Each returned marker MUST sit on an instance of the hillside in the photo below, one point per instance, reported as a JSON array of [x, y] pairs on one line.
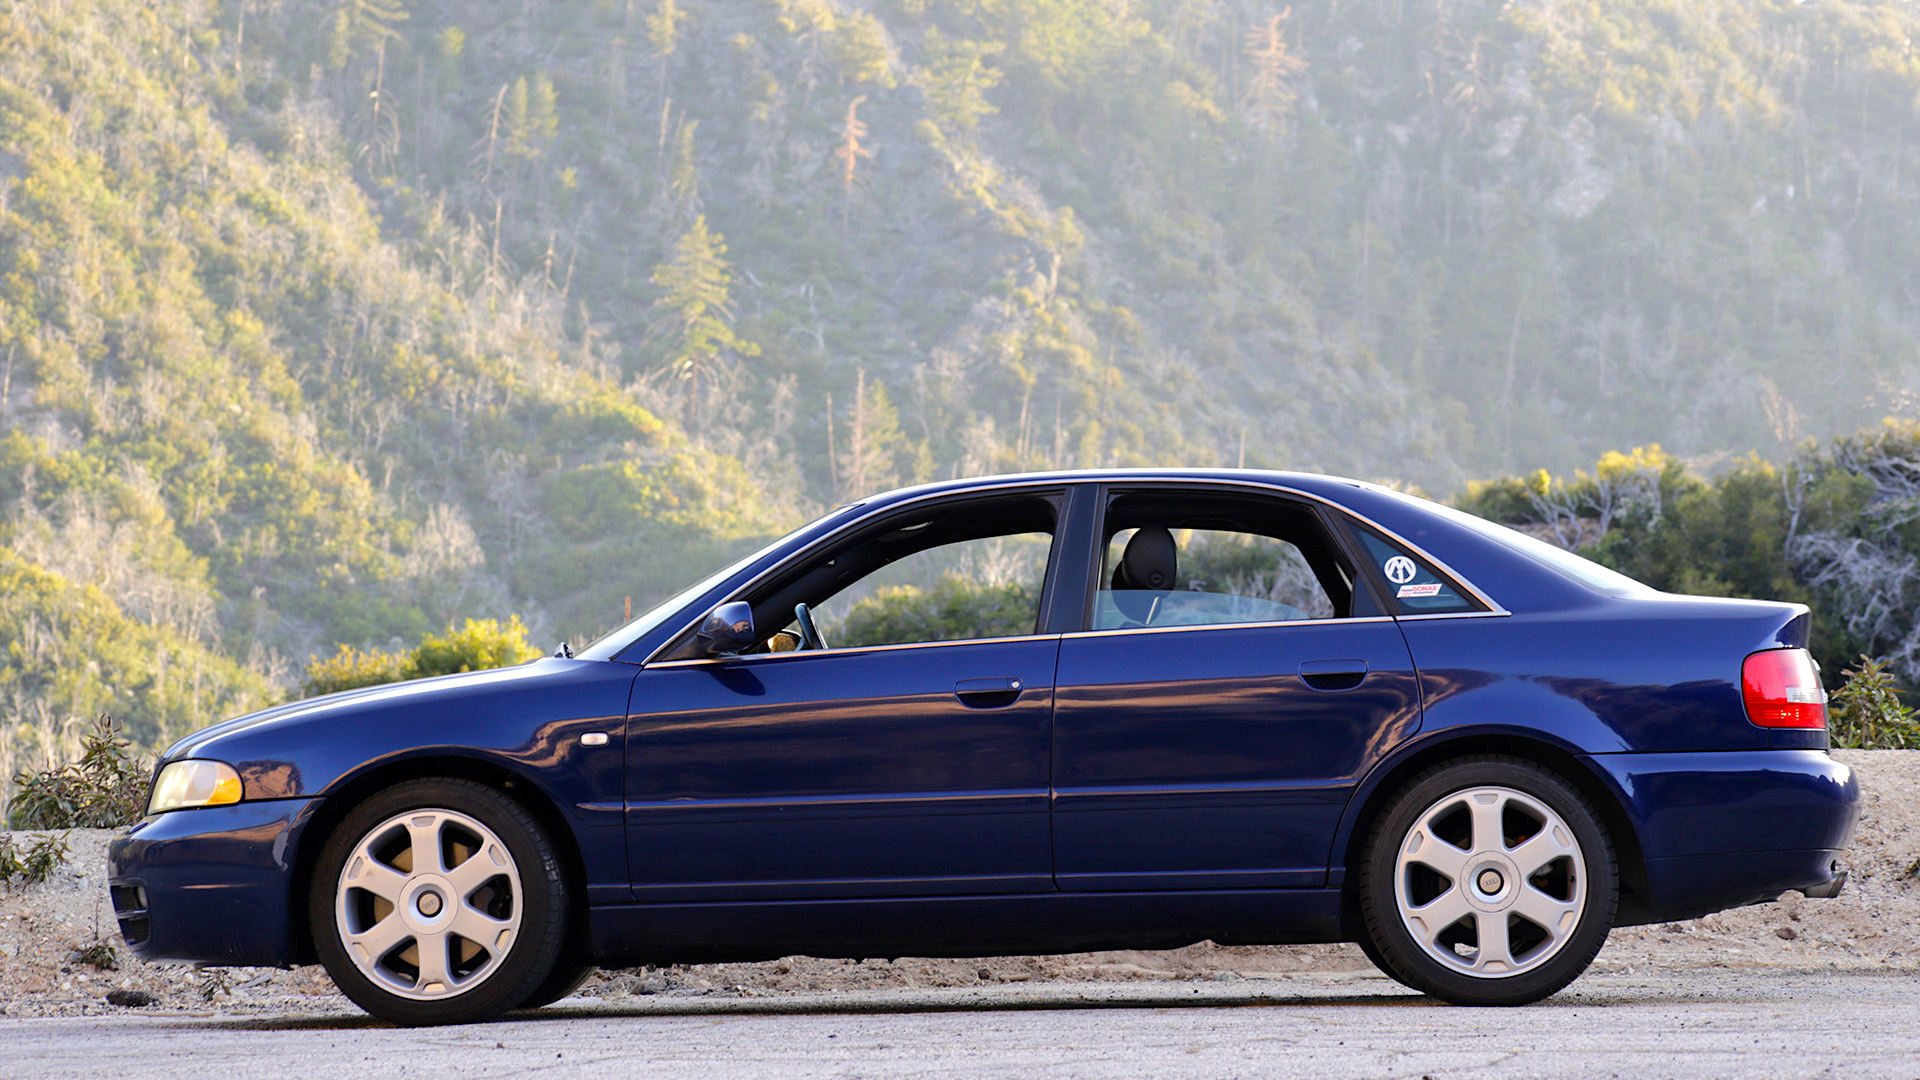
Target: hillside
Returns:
[[338, 320]]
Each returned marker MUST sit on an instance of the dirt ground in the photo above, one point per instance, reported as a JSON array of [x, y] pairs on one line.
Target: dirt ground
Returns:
[[1875, 925]]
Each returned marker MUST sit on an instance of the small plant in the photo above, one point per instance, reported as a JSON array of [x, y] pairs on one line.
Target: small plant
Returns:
[[1867, 713], [105, 789], [215, 982], [34, 864], [100, 954]]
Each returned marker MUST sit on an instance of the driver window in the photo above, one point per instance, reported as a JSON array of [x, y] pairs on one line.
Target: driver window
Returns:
[[1192, 560], [985, 588], [953, 571]]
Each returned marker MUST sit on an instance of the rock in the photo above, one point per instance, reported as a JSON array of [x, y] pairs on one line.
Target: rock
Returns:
[[985, 974], [1786, 933], [131, 999]]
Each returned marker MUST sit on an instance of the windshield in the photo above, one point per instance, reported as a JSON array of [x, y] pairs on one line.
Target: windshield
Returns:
[[1585, 571], [611, 645]]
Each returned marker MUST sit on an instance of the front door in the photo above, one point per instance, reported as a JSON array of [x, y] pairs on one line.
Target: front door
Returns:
[[858, 772], [896, 742]]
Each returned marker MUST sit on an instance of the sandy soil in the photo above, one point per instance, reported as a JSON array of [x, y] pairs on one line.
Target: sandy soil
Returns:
[[1875, 925]]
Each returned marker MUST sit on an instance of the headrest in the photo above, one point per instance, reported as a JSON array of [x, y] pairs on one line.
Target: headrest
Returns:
[[1149, 562]]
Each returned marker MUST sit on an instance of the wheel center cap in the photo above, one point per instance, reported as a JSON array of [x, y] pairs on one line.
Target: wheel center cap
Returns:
[[1489, 884], [427, 905]]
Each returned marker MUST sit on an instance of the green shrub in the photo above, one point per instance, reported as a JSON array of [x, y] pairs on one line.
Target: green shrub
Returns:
[[351, 668], [478, 645], [37, 863], [105, 789], [1867, 712], [953, 610]]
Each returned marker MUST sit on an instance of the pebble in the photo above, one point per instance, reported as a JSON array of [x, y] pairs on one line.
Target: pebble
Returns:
[[131, 999]]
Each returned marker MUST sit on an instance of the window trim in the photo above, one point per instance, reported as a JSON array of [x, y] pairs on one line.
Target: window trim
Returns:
[[1088, 492]]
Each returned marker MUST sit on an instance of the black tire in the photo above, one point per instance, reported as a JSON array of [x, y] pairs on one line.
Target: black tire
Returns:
[[567, 976], [1500, 950], [528, 885], [1379, 960]]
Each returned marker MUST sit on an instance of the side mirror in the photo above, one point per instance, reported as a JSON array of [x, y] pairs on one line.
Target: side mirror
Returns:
[[727, 629]]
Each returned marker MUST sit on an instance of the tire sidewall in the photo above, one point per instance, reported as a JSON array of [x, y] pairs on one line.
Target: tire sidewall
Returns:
[[542, 899], [1408, 962]]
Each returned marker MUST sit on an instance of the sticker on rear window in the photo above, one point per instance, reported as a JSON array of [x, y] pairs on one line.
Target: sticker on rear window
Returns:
[[1400, 570], [1429, 589]]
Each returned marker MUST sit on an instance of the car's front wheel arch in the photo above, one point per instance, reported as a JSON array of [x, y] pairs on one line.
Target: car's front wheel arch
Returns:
[[340, 800], [1391, 776]]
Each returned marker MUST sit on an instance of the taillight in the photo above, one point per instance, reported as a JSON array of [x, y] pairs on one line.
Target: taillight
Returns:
[[1782, 690]]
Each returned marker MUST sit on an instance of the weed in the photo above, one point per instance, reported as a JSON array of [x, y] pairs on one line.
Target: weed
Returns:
[[100, 954], [1867, 712], [36, 862], [105, 789], [215, 982]]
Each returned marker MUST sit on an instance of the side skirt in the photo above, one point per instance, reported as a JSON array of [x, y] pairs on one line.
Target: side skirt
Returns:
[[961, 925]]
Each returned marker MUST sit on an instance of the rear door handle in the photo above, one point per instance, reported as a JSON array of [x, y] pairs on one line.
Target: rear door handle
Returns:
[[1333, 674], [987, 693]]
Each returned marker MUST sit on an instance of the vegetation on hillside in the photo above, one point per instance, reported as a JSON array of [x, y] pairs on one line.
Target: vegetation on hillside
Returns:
[[334, 322]]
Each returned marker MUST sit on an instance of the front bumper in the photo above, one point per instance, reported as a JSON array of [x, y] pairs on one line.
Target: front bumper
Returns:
[[211, 885], [1719, 830]]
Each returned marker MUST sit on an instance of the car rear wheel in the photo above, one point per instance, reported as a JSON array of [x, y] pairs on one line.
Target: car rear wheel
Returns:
[[1488, 881], [438, 902]]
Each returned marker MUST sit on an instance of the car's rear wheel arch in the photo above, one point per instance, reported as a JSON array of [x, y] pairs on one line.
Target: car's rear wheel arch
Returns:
[[340, 801], [1395, 775]]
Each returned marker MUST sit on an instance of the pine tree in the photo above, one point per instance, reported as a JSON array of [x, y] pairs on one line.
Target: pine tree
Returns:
[[956, 78], [870, 460], [695, 309], [1270, 97], [361, 24], [532, 118], [849, 153]]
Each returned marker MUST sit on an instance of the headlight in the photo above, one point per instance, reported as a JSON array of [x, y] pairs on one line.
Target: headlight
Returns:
[[186, 784]]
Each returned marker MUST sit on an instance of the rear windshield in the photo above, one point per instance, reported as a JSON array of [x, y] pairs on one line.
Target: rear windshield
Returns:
[[1585, 571]]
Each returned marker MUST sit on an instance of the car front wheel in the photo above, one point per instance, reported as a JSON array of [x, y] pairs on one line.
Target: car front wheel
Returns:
[[438, 902], [1488, 881]]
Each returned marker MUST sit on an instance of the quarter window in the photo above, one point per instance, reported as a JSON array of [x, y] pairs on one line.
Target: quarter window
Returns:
[[1414, 585]]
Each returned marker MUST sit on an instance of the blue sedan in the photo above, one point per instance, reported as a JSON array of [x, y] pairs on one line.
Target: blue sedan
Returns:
[[1044, 713]]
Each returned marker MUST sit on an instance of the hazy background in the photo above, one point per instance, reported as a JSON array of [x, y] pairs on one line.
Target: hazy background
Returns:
[[342, 320]]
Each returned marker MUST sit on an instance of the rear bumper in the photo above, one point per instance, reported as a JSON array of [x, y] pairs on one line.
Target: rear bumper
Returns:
[[1718, 830], [211, 885]]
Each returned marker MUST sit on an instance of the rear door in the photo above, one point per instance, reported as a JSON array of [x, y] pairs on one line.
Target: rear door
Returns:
[[1210, 727]]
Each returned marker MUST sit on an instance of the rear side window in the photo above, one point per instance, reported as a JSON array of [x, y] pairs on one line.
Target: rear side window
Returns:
[[1412, 583]]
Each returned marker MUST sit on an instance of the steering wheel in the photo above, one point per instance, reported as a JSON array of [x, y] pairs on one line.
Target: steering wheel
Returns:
[[809, 634]]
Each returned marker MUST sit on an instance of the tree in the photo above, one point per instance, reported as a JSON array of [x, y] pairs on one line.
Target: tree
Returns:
[[532, 117], [849, 153], [696, 313], [869, 460], [1270, 97], [361, 24], [956, 78]]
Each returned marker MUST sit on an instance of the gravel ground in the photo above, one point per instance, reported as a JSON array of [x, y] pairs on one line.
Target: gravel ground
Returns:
[[1873, 927], [1669, 1023]]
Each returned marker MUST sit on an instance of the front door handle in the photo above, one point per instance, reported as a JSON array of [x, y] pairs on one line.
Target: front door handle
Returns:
[[987, 693], [1333, 674]]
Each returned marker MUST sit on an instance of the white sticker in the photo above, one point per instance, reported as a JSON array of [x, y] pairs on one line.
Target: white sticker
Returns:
[[1429, 589], [1400, 570]]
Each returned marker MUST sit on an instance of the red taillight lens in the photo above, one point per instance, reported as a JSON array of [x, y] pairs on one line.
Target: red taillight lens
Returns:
[[1783, 690]]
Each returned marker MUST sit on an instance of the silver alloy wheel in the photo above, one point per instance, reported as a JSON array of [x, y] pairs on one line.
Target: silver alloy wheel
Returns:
[[428, 904], [1490, 882]]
